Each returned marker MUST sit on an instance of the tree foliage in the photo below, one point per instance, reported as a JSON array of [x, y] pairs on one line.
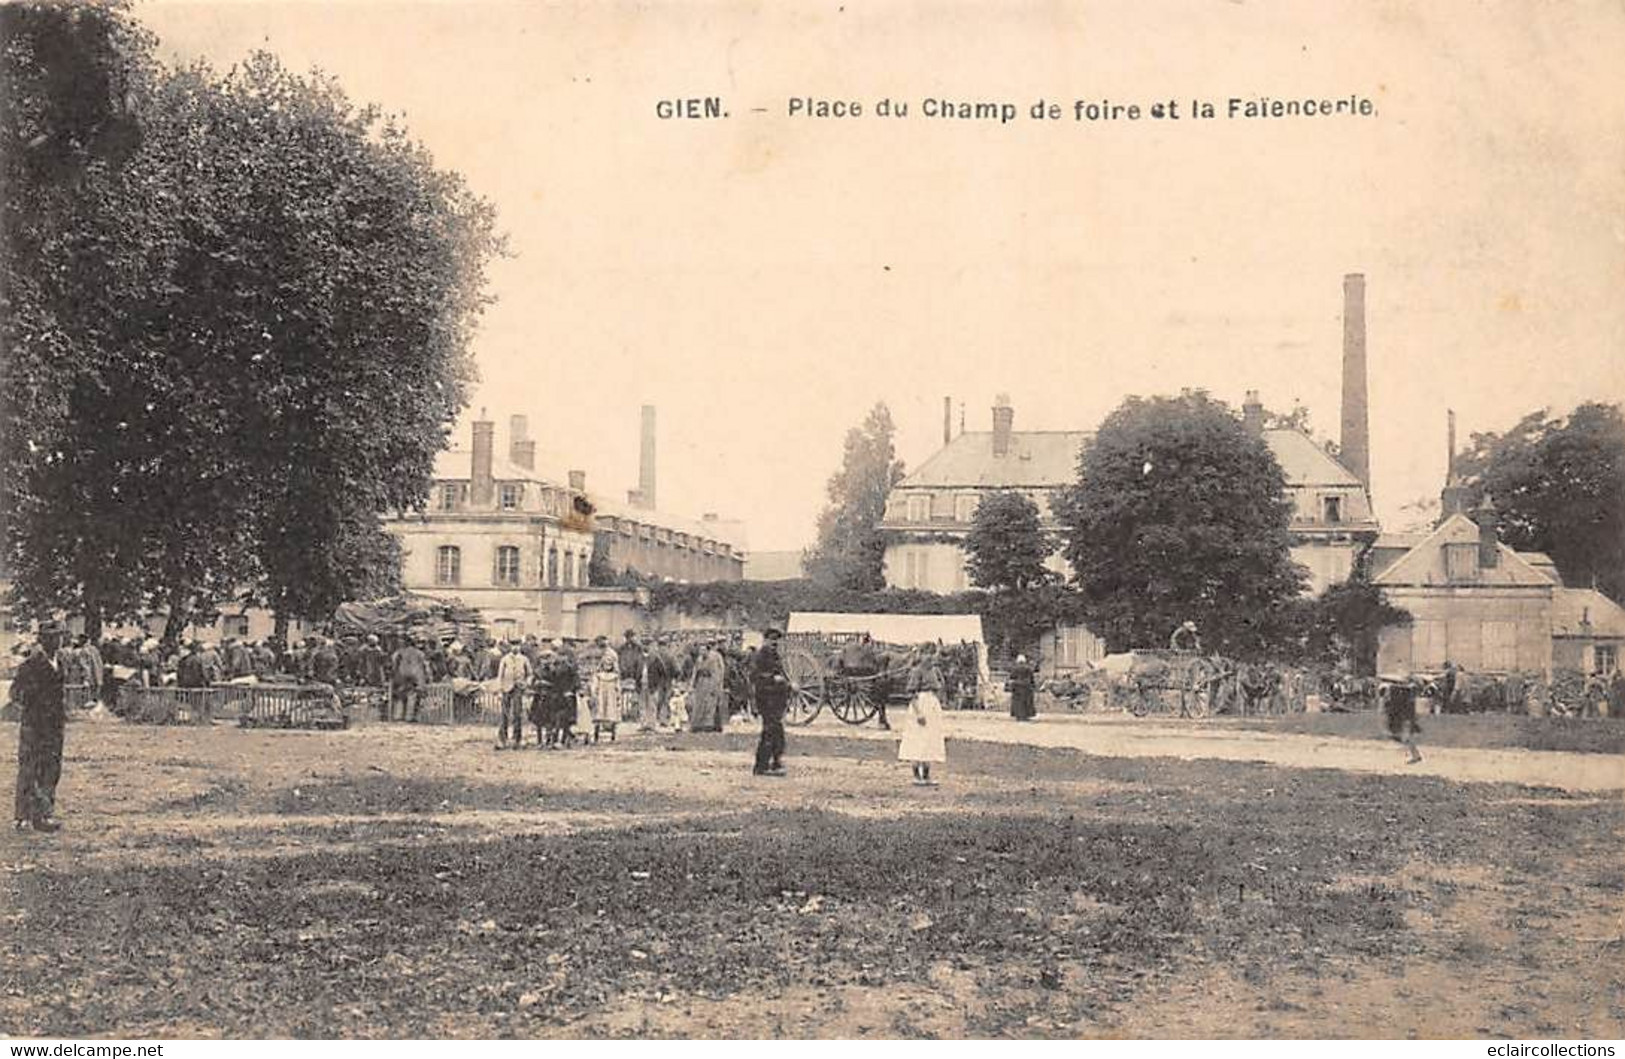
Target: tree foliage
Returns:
[[1558, 486], [1180, 514], [850, 551], [230, 347], [1007, 544], [1342, 625]]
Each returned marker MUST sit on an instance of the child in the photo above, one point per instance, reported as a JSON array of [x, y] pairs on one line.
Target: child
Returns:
[[924, 742]]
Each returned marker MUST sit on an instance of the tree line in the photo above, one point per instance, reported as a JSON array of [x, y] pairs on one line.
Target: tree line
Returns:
[[235, 310]]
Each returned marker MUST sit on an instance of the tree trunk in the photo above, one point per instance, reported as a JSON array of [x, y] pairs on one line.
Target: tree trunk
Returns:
[[93, 622], [279, 633], [176, 620]]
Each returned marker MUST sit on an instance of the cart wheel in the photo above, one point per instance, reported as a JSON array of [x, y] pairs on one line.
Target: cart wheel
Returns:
[[806, 676], [1139, 700], [856, 703]]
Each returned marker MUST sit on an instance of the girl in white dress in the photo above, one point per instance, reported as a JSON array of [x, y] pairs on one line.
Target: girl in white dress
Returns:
[[924, 741]]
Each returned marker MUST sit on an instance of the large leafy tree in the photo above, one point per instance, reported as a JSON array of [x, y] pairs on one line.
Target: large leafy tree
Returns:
[[247, 338], [1558, 485], [1180, 515], [1007, 545], [850, 551]]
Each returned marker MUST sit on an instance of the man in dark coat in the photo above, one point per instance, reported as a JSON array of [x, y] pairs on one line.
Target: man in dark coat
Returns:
[[374, 664], [772, 700], [409, 673], [1022, 684], [37, 694], [192, 670], [324, 662]]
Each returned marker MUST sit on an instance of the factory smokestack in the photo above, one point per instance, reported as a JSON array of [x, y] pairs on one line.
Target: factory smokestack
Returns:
[[521, 449], [646, 461], [1355, 446]]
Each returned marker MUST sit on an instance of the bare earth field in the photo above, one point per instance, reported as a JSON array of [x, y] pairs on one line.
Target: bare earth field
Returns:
[[1067, 879]]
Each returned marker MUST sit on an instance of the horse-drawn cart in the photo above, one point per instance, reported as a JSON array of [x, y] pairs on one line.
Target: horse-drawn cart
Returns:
[[1162, 681]]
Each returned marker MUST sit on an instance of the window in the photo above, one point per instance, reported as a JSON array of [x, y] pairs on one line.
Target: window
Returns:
[[569, 569], [511, 494], [507, 629], [964, 508], [1332, 508], [1500, 645], [234, 625], [450, 493], [507, 569], [1461, 561], [1605, 658], [553, 566], [448, 565], [919, 508]]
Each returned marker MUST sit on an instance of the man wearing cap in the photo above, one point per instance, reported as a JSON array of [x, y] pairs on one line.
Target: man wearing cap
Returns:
[[772, 699], [37, 693]]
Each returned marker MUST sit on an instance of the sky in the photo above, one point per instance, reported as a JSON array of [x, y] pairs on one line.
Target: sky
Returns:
[[764, 279]]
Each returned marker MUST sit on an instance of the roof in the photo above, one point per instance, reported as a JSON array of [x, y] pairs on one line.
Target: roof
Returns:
[[1425, 563], [892, 628], [1037, 458], [458, 465], [1041, 458], [1572, 608], [1303, 461], [1543, 562], [729, 532]]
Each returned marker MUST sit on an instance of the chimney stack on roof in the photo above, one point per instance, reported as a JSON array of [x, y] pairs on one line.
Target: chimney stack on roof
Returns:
[[1004, 418], [947, 420], [644, 496], [1489, 540], [578, 481], [1355, 445], [521, 449], [1252, 414], [482, 486]]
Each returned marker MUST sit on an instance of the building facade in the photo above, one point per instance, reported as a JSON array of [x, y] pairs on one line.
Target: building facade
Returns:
[[518, 545]]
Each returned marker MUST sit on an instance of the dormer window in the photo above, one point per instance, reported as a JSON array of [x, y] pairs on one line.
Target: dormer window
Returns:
[[1461, 561], [1331, 508], [511, 495], [919, 508]]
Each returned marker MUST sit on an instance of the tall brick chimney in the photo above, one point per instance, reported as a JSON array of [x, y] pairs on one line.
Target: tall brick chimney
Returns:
[[521, 449], [482, 487], [1355, 446], [1004, 418], [1453, 497], [1252, 413], [646, 460]]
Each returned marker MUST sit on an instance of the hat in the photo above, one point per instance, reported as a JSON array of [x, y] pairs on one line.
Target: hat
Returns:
[[772, 632]]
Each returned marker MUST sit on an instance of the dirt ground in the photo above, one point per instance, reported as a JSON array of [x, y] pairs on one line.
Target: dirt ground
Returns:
[[392, 881]]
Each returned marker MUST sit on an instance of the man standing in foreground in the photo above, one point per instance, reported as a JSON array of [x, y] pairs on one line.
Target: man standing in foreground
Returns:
[[513, 676], [772, 698], [37, 691]]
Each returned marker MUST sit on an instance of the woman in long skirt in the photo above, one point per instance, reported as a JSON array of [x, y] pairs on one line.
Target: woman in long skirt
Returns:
[[707, 697], [1021, 686], [924, 742]]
